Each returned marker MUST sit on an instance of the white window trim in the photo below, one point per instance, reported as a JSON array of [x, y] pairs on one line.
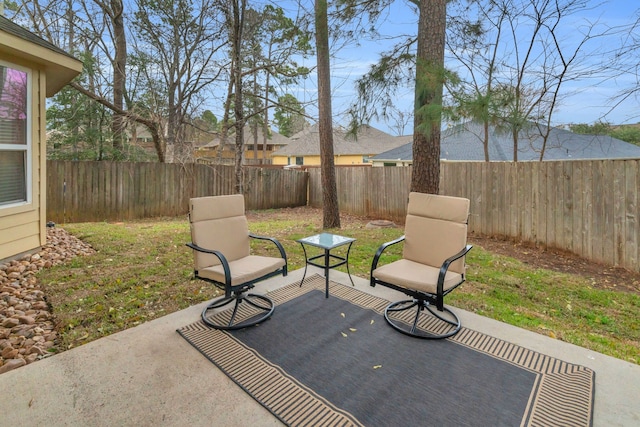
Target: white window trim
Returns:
[[29, 135]]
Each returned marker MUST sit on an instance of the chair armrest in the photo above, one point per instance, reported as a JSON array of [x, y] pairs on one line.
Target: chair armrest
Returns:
[[222, 258], [283, 254], [445, 266], [379, 252]]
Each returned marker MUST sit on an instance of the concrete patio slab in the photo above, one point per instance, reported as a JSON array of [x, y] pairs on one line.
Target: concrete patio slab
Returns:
[[150, 376]]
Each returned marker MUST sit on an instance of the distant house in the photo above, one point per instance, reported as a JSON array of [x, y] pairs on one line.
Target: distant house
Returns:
[[31, 69], [140, 137], [254, 147], [464, 143], [304, 148], [195, 135]]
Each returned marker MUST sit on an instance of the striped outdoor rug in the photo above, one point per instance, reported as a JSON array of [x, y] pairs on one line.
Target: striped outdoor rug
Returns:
[[336, 362]]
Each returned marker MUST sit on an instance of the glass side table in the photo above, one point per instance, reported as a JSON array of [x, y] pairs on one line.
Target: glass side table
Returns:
[[327, 260]]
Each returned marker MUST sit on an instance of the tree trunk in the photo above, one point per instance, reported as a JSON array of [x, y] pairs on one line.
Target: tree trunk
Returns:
[[119, 76], [425, 174], [239, 7], [265, 125], [485, 141], [224, 128], [330, 210], [254, 122], [254, 134]]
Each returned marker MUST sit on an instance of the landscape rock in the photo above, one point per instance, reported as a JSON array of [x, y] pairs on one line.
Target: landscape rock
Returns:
[[9, 353], [380, 223], [10, 323], [12, 364], [26, 322]]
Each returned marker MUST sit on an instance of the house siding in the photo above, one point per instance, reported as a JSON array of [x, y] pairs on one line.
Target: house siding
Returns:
[[19, 234], [227, 153], [40, 156], [279, 160], [314, 160], [22, 228]]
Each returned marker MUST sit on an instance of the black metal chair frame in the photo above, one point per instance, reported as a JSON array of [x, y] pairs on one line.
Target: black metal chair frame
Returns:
[[419, 299], [238, 293]]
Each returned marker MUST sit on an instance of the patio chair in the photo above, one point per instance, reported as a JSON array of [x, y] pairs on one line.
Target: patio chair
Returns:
[[432, 265], [220, 239]]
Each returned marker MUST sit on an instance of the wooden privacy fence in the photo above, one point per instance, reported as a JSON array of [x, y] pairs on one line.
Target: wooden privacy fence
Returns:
[[118, 191], [589, 208], [374, 192]]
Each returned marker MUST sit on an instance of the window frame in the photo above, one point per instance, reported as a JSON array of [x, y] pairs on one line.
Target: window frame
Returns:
[[27, 148]]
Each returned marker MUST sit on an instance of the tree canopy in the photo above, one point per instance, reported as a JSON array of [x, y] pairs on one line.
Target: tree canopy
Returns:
[[159, 65]]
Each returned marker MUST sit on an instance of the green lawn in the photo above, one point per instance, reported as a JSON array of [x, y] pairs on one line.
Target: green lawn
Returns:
[[143, 270]]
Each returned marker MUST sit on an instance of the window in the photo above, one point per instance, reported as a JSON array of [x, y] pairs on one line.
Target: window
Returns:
[[15, 135], [299, 160]]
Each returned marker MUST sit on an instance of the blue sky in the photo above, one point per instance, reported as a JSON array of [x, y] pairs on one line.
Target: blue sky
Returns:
[[589, 100]]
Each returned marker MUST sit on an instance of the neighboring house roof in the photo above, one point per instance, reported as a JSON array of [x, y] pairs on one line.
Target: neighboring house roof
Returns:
[[464, 142], [274, 138], [401, 153], [369, 141], [60, 67]]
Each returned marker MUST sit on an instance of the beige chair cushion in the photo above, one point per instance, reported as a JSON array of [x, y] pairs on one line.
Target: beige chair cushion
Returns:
[[436, 229], [455, 209], [244, 269], [216, 207], [413, 275], [218, 223], [229, 236]]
